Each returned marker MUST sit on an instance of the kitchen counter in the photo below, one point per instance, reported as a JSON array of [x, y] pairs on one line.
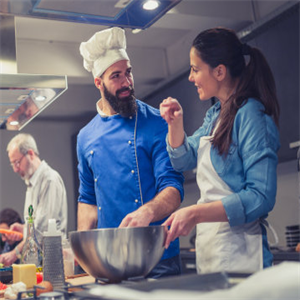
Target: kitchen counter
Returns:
[[188, 258], [275, 283], [287, 254]]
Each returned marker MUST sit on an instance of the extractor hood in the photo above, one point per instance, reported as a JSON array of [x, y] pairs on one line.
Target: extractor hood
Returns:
[[22, 96], [135, 14]]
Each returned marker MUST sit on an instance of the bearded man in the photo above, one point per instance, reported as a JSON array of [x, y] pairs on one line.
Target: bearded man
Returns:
[[126, 178], [45, 191]]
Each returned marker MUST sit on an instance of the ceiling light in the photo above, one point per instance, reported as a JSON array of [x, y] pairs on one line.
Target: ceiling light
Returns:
[[14, 123], [40, 98], [150, 5], [136, 30]]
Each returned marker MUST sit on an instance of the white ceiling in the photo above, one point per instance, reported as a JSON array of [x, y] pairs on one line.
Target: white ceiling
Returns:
[[157, 54]]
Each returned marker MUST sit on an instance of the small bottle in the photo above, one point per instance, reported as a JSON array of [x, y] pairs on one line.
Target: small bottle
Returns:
[[32, 252]]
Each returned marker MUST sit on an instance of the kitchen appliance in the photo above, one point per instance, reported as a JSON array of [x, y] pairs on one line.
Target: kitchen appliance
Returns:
[[292, 235], [115, 254], [124, 13], [22, 96]]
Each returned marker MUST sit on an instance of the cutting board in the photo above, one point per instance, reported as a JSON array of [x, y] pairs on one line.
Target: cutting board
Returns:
[[74, 280]]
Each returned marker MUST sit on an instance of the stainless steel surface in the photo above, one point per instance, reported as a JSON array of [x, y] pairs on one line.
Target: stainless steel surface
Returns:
[[124, 13], [8, 63], [52, 296], [53, 264], [118, 253], [22, 96]]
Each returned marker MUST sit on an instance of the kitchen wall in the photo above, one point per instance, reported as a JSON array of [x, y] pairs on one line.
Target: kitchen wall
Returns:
[[55, 136], [279, 41], [56, 141]]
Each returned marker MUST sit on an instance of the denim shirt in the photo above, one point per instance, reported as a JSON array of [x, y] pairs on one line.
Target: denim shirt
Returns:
[[250, 167], [121, 169]]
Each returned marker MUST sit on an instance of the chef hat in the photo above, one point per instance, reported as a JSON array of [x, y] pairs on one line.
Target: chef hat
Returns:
[[103, 49]]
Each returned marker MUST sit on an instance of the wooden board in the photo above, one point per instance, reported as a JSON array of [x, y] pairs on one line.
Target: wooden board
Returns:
[[73, 280], [80, 279]]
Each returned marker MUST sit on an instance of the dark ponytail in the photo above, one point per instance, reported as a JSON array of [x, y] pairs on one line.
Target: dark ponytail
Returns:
[[221, 46]]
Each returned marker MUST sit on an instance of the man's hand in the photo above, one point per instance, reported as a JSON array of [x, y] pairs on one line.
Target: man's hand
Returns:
[[139, 218], [161, 206], [7, 259]]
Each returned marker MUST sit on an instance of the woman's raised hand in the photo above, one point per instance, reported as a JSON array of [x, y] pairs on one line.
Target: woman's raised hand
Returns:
[[171, 110]]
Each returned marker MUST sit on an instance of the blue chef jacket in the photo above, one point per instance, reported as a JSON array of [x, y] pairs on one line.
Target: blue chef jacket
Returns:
[[112, 156]]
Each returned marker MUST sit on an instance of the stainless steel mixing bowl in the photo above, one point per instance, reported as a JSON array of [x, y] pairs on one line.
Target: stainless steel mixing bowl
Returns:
[[116, 254]]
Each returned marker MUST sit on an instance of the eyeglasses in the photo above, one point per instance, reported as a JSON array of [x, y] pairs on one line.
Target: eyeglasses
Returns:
[[17, 163]]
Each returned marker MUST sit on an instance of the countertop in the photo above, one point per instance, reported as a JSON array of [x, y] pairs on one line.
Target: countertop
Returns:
[[280, 254]]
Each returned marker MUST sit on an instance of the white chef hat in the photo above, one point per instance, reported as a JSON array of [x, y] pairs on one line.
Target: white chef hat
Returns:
[[103, 49]]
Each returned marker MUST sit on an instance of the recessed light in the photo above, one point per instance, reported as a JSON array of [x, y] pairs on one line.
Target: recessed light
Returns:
[[136, 30], [9, 111], [40, 98], [14, 123], [150, 5]]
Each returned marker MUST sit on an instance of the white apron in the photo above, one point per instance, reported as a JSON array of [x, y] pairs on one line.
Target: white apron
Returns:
[[220, 247]]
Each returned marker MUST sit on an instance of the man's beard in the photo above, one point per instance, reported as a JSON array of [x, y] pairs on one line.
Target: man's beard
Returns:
[[126, 106], [28, 171]]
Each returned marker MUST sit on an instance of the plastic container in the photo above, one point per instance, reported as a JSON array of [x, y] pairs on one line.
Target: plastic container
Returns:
[[68, 257]]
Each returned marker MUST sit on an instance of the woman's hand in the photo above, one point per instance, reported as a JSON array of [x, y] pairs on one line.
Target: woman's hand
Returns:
[[18, 228], [181, 223], [7, 259], [171, 110]]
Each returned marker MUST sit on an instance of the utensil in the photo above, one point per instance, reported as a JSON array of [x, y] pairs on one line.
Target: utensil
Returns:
[[53, 264], [116, 254]]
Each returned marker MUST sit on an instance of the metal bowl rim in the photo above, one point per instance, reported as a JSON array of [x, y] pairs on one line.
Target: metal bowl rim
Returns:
[[119, 228]]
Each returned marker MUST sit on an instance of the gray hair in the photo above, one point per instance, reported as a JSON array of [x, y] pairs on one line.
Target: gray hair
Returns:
[[24, 142]]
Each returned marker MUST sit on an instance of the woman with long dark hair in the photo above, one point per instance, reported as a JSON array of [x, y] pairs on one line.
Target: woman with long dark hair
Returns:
[[235, 152]]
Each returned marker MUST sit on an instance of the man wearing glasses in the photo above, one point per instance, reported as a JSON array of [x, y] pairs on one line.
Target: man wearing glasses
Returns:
[[45, 190]]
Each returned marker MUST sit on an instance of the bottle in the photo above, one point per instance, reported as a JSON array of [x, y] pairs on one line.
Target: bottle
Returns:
[[32, 252]]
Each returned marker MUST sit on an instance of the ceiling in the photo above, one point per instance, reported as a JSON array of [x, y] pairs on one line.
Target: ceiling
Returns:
[[158, 54]]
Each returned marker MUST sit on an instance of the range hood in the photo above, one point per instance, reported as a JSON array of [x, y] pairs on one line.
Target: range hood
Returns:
[[22, 96], [135, 14]]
